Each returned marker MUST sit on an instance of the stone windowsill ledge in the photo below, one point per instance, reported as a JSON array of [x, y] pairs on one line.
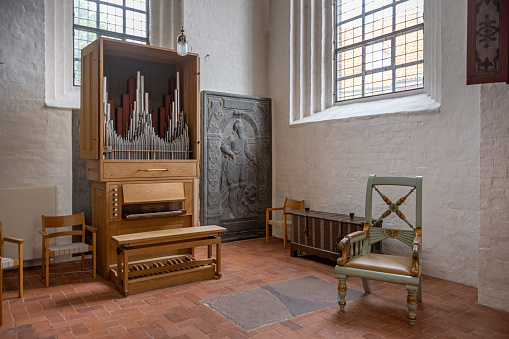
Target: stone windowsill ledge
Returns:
[[408, 104]]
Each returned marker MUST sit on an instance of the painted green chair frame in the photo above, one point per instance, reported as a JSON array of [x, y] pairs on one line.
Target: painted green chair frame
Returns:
[[357, 261]]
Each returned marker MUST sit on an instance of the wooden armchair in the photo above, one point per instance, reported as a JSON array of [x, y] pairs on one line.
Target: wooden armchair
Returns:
[[55, 250], [9, 262], [357, 261], [289, 204]]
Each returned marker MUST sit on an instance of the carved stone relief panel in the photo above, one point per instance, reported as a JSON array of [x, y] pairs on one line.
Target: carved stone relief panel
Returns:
[[236, 167]]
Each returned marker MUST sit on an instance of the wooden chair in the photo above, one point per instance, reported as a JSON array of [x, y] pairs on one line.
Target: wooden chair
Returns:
[[289, 204], [9, 262], [357, 261], [55, 250]]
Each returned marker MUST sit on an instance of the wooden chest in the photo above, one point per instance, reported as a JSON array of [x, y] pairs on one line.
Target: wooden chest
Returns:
[[319, 233]]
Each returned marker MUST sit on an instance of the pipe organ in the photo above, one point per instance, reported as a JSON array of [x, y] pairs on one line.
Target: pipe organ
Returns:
[[134, 131], [139, 132]]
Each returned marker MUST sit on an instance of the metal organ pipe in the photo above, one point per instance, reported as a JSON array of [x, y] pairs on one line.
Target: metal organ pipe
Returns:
[[141, 140]]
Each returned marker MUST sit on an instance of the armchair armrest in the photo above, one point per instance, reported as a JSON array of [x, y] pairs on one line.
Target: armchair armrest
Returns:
[[356, 236], [268, 210], [43, 233], [416, 249], [91, 228], [14, 240], [346, 242]]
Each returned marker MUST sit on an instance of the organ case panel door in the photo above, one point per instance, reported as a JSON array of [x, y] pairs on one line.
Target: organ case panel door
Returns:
[[139, 125], [236, 179]]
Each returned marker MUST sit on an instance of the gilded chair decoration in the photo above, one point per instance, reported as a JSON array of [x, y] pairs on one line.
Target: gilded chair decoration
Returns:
[[392, 233], [394, 207], [357, 261]]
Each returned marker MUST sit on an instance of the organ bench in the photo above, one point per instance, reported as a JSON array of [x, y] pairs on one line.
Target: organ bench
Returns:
[[140, 269]]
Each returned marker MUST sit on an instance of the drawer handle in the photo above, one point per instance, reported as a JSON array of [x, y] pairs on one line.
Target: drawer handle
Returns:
[[153, 170]]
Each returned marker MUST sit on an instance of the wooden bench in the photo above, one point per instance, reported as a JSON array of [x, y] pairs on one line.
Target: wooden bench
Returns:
[[153, 272]]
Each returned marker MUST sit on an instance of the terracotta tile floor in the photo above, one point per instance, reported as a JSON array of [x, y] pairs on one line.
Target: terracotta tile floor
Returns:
[[77, 306]]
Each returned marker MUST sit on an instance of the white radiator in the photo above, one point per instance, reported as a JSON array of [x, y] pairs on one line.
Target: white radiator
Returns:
[[21, 209]]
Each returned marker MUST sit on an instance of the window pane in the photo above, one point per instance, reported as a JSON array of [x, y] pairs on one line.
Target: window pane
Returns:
[[378, 23], [378, 83], [85, 13], [350, 33], [375, 4], [136, 4], [409, 13], [349, 9], [111, 18], [410, 77], [136, 24], [409, 47], [81, 40], [378, 55], [350, 88], [349, 63]]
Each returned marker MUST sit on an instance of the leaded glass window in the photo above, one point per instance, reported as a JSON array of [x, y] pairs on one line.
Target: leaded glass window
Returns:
[[379, 47], [117, 19]]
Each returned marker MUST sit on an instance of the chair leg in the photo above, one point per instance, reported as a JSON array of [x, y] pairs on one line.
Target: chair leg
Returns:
[[46, 258], [285, 235], [43, 259], [1, 290], [93, 254], [342, 292], [266, 232], [412, 303], [367, 286], [83, 261], [419, 292], [20, 266]]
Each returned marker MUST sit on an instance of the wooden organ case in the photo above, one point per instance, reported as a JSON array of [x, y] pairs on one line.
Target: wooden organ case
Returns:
[[139, 132]]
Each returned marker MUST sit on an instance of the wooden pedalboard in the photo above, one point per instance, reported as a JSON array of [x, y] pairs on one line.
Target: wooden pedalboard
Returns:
[[132, 277]]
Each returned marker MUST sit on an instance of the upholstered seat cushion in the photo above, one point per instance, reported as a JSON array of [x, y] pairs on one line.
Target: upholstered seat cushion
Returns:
[[77, 247], [382, 263], [7, 262]]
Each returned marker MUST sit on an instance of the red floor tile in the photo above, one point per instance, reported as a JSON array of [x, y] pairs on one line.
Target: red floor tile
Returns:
[[78, 306]]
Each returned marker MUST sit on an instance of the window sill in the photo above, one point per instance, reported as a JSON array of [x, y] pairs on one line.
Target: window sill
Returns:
[[407, 104], [70, 99]]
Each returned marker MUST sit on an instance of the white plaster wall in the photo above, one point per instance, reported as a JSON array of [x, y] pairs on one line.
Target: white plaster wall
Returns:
[[494, 231], [229, 36], [327, 163], [35, 139]]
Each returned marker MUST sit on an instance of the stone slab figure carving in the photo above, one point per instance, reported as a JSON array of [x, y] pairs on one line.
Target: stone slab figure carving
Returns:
[[236, 163]]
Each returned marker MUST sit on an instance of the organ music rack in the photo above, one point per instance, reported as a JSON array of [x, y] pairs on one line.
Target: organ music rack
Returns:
[[138, 171]]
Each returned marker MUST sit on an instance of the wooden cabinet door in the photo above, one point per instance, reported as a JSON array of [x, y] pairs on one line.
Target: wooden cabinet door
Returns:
[[90, 96]]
